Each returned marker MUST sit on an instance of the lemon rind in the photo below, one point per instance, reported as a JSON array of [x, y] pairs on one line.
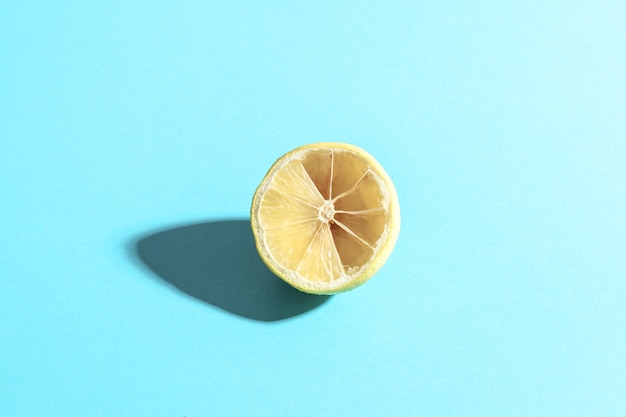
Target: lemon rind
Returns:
[[385, 244]]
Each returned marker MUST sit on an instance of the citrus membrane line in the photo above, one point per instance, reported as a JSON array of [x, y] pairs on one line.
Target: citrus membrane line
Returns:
[[307, 220], [329, 267], [366, 211], [299, 200], [354, 187], [310, 184], [351, 233], [308, 246], [332, 168]]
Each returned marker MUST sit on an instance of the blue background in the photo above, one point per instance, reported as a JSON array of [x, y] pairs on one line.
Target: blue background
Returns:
[[133, 135]]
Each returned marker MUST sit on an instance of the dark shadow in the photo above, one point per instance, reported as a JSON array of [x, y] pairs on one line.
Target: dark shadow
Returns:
[[217, 262]]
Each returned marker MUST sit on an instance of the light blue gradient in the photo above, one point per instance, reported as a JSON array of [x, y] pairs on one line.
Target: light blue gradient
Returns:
[[502, 124]]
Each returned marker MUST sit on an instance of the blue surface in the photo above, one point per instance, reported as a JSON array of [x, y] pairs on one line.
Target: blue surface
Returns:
[[133, 135]]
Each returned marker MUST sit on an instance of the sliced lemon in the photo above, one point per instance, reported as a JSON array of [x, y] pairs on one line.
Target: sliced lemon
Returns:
[[325, 217]]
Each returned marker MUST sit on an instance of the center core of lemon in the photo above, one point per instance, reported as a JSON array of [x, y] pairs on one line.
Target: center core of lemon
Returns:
[[327, 212]]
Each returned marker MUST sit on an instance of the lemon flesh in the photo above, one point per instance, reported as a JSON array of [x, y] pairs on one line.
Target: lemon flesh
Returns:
[[325, 217]]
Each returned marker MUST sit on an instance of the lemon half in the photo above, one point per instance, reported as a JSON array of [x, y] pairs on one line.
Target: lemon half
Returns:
[[325, 217]]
